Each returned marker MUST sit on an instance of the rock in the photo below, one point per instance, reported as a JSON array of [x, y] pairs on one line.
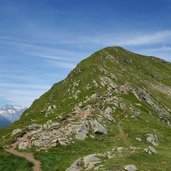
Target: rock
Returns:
[[38, 143], [130, 167], [107, 115], [63, 141], [122, 106], [55, 125], [86, 163], [97, 128], [151, 138], [138, 139], [120, 149], [109, 118], [145, 96], [75, 166], [23, 145], [16, 131], [91, 160], [34, 127], [150, 150], [81, 130], [108, 111], [94, 96]]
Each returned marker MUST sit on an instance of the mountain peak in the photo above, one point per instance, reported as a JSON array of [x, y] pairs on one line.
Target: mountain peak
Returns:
[[114, 103]]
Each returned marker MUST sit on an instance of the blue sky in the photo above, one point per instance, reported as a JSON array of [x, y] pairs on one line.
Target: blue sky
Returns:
[[41, 41]]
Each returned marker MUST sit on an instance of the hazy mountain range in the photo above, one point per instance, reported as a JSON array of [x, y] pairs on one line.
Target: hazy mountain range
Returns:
[[9, 114]]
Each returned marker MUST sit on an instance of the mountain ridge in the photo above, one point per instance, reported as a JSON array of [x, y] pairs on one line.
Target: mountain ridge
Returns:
[[115, 99]]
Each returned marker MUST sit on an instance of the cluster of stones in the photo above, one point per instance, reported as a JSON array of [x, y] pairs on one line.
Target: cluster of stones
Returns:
[[52, 134], [95, 161]]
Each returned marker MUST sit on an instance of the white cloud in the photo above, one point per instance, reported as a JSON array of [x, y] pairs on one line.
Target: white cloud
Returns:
[[159, 49], [146, 39], [59, 64], [22, 97], [23, 86]]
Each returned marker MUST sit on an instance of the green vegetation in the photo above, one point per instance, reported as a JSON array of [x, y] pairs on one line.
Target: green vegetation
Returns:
[[9, 162], [124, 68]]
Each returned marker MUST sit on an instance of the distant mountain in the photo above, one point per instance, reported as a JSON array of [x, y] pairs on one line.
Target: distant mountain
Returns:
[[11, 113]]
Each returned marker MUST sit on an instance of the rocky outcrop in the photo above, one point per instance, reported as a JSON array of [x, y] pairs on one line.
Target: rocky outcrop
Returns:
[[142, 94], [95, 161], [52, 134]]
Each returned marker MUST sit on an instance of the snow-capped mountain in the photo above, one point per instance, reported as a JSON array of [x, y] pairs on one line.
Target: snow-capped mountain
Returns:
[[11, 113]]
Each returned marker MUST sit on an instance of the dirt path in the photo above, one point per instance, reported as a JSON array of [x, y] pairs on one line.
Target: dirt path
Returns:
[[27, 156]]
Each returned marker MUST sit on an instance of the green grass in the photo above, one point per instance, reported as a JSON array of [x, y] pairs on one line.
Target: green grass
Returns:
[[9, 162], [138, 71]]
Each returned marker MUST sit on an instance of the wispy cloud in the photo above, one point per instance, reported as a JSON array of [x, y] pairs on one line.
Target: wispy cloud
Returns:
[[24, 86], [158, 49], [23, 97], [147, 39], [59, 64]]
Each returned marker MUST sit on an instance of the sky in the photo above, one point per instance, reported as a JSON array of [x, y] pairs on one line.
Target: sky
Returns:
[[41, 41]]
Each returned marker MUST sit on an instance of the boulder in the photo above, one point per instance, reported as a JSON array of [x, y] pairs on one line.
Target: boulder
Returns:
[[81, 130], [91, 160], [108, 111], [97, 128], [150, 150], [151, 138], [38, 143], [55, 125], [130, 167], [107, 115], [23, 145], [63, 141], [86, 163], [34, 127]]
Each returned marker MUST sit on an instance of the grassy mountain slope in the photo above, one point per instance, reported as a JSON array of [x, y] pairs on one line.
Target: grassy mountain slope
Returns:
[[132, 89]]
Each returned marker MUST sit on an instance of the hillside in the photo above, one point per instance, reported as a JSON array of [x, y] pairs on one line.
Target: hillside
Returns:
[[112, 112]]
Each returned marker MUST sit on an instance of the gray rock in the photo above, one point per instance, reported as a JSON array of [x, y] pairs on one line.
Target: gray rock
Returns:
[[97, 128], [108, 111], [86, 163], [107, 115], [130, 167], [150, 150], [81, 130], [55, 125], [143, 95], [122, 106], [151, 138], [34, 127], [75, 166], [63, 141], [91, 160], [38, 143], [23, 145]]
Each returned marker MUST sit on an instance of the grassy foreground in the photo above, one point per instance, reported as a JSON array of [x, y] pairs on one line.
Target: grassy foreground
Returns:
[[9, 162]]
